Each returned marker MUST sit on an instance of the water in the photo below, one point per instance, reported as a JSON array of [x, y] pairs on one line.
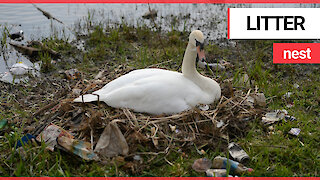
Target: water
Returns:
[[210, 18]]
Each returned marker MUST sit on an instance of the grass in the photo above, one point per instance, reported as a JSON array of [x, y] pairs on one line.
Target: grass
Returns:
[[272, 152]]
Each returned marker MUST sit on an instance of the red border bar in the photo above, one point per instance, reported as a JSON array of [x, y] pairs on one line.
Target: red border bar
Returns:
[[164, 1], [159, 178], [228, 23]]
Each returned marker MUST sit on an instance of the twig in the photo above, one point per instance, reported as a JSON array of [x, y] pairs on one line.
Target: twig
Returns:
[[170, 163], [46, 14], [248, 93], [45, 108]]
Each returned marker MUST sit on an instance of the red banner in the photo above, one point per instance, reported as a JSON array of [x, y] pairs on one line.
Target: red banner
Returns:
[[159, 178], [296, 53], [162, 1]]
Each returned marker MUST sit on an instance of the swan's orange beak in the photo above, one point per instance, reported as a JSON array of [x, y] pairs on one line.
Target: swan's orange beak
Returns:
[[201, 54]]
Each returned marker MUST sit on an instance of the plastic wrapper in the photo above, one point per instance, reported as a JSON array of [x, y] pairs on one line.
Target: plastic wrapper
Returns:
[[50, 134], [202, 165], [78, 147], [112, 142]]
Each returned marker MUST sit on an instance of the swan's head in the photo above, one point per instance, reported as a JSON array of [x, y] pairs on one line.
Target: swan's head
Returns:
[[196, 39]]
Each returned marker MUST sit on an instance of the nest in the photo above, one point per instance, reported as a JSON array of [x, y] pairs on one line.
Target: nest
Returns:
[[225, 120]]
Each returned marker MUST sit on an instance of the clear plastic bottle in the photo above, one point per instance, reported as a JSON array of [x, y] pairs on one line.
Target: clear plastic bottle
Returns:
[[235, 167]]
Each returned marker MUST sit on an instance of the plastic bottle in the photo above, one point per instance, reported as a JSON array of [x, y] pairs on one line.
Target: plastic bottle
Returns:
[[235, 167]]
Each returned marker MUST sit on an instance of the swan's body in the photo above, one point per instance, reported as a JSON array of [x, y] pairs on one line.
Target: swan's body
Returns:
[[158, 91]]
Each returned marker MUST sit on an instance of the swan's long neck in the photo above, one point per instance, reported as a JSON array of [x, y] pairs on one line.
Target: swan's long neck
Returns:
[[189, 70], [189, 63]]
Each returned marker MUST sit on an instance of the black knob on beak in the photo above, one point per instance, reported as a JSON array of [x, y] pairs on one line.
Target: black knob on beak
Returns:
[[200, 44]]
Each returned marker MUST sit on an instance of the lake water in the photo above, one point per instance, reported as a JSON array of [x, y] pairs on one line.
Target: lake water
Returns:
[[210, 18]]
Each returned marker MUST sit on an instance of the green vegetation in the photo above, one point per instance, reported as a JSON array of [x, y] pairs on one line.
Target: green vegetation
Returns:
[[272, 151]]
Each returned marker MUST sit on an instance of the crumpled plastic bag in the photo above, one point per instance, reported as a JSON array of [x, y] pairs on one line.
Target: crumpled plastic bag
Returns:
[[112, 142]]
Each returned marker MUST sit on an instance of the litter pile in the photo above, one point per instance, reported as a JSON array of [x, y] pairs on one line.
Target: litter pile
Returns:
[[95, 131]]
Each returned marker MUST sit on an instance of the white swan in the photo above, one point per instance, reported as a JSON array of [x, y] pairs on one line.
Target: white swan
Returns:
[[158, 91]]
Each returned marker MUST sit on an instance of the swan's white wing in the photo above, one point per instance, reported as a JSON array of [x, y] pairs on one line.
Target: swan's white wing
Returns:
[[135, 76], [166, 93], [122, 81]]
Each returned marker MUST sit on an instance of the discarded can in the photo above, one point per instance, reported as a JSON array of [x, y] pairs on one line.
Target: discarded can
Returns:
[[294, 131], [216, 172], [24, 140], [78, 147], [201, 165], [17, 36], [50, 134], [237, 152], [235, 167]]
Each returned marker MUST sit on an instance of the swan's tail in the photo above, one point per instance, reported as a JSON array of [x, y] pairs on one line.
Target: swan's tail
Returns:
[[86, 98]]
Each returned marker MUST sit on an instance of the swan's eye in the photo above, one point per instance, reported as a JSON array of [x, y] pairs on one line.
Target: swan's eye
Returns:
[[199, 44]]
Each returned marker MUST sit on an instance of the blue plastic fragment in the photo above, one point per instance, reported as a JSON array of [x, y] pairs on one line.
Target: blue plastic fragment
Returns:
[[24, 140]]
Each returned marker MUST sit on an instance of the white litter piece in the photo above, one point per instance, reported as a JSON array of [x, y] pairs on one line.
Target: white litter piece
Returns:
[[203, 64], [295, 131], [172, 127], [4, 75], [220, 124], [204, 107], [19, 69], [249, 101], [273, 117], [216, 172], [287, 95], [137, 158]]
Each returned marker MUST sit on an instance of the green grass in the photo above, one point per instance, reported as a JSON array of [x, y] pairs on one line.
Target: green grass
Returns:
[[272, 152]]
